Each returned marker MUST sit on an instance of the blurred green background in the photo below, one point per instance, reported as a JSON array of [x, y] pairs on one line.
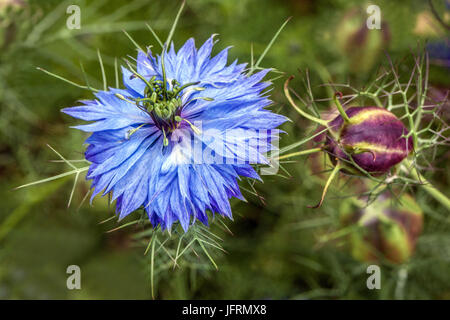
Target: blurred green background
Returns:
[[274, 251]]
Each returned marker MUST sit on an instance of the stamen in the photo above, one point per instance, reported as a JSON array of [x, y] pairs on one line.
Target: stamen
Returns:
[[194, 128], [200, 98], [132, 131], [165, 140], [121, 97]]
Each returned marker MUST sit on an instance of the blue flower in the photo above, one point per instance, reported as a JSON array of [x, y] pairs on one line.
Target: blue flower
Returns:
[[177, 139]]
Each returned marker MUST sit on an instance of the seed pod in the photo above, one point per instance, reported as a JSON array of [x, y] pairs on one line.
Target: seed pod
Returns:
[[374, 138], [387, 228], [361, 47], [360, 140], [10, 14]]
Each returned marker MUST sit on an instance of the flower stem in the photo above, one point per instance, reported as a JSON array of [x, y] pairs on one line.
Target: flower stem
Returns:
[[299, 153], [327, 184], [340, 107], [338, 234], [297, 108], [428, 187]]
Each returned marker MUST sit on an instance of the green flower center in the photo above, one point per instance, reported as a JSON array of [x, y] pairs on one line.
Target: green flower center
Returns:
[[164, 105]]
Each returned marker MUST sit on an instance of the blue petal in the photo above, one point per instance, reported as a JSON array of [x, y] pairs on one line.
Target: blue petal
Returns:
[[140, 172]]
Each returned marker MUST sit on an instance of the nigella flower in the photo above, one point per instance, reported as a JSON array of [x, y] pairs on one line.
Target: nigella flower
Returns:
[[178, 138]]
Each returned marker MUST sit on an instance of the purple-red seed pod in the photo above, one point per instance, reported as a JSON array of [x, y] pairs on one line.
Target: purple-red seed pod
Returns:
[[360, 140], [374, 138], [387, 228], [359, 46]]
